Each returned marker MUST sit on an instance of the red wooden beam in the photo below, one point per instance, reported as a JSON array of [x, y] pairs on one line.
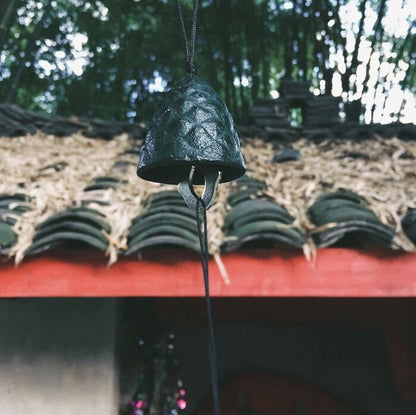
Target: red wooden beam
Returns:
[[177, 273]]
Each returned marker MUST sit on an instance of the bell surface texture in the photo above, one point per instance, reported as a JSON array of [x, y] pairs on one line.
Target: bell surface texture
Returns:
[[192, 127]]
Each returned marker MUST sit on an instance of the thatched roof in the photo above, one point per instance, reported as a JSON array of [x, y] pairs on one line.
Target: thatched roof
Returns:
[[81, 191]]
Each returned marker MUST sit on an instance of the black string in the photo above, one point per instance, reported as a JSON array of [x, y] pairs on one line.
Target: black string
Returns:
[[189, 46], [212, 354]]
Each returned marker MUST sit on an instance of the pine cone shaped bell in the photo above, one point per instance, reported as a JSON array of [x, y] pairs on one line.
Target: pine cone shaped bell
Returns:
[[192, 127]]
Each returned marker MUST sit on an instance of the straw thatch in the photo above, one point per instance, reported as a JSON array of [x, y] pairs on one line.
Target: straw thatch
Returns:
[[53, 172], [382, 171]]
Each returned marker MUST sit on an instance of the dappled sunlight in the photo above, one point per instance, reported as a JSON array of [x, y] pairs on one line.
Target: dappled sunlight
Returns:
[[123, 54]]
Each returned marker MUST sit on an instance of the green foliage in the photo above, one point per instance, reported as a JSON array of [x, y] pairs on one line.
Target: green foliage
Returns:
[[101, 58]]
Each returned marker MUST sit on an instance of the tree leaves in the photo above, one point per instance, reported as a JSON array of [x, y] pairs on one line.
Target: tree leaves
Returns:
[[244, 48]]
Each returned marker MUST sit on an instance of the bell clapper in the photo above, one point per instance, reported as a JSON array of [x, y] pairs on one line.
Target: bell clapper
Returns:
[[212, 177]]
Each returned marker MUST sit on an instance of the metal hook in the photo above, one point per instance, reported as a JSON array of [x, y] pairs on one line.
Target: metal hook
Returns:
[[211, 179]]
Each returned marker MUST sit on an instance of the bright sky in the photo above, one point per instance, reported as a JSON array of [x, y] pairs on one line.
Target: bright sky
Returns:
[[396, 23]]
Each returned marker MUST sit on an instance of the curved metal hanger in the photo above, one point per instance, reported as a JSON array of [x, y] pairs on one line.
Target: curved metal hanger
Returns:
[[212, 177]]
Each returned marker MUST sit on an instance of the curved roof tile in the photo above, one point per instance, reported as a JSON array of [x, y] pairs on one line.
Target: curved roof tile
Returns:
[[344, 216], [166, 221], [409, 224], [254, 217], [79, 225]]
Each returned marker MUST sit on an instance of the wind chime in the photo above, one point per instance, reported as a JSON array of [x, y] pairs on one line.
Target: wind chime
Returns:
[[191, 141]]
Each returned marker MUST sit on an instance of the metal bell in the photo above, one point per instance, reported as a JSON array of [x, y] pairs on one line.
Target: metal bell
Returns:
[[191, 140]]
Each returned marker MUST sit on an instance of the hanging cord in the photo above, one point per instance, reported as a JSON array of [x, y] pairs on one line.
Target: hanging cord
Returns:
[[212, 354], [189, 46]]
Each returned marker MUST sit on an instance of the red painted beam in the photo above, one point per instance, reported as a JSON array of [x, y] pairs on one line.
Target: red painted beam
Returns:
[[177, 273]]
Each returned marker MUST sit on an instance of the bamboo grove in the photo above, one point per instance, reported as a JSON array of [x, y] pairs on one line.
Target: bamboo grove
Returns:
[[110, 58]]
